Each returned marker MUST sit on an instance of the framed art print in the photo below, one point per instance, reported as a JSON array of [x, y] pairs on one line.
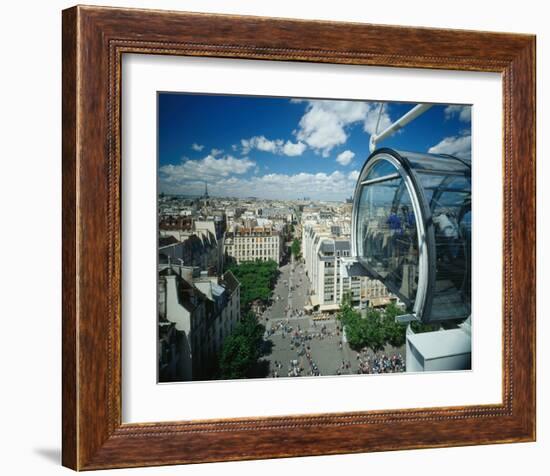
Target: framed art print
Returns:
[[277, 230]]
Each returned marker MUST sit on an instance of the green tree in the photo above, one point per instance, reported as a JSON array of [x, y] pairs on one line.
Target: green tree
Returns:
[[295, 248], [251, 329], [361, 331], [394, 333], [419, 327], [257, 280], [374, 330], [236, 357], [242, 349]]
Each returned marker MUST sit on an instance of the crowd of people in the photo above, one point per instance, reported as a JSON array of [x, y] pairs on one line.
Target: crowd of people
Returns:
[[300, 341], [298, 335], [303, 364], [379, 364]]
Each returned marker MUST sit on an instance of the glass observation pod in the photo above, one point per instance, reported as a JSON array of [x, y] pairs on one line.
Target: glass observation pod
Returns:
[[412, 230]]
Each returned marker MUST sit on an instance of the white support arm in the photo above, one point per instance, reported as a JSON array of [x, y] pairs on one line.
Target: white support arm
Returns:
[[401, 122]]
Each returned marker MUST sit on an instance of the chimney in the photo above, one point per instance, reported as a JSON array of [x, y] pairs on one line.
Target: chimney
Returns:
[[187, 273]]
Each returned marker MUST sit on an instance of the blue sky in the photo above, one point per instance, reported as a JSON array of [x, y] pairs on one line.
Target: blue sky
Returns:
[[283, 148]]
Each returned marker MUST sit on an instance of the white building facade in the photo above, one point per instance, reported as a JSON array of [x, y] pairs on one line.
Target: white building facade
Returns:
[[251, 244], [324, 253]]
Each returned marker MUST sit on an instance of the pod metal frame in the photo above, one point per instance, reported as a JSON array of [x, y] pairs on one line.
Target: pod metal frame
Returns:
[[427, 253]]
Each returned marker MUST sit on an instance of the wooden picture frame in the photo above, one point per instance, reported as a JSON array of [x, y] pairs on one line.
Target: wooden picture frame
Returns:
[[94, 41]]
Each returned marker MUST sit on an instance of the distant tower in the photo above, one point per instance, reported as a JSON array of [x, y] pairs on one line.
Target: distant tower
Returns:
[[205, 196]]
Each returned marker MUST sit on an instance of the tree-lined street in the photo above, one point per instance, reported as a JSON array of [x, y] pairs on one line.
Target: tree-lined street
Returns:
[[297, 344]]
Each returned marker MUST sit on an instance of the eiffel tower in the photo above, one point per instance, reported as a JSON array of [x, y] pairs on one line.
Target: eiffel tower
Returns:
[[205, 197]]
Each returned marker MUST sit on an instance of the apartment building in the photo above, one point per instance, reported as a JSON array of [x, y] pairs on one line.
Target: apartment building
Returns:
[[324, 250], [254, 243], [196, 313]]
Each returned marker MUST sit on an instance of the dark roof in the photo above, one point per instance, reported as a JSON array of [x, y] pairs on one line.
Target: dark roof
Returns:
[[342, 245], [327, 247], [333, 245], [166, 272], [188, 295], [230, 282], [167, 240]]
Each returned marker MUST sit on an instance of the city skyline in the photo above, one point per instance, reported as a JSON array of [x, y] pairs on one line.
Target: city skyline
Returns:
[[200, 194], [285, 149]]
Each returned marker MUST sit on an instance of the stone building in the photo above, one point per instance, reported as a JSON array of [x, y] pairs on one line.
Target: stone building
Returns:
[[202, 245], [256, 243], [196, 313]]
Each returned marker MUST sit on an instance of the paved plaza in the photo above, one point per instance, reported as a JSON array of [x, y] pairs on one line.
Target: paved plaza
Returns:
[[300, 344]]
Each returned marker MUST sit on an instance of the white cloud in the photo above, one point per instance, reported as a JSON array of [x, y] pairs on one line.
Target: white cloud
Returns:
[[208, 168], [324, 124], [216, 152], [197, 147], [371, 121], [345, 157], [354, 175], [464, 113], [461, 146], [261, 143], [277, 146], [335, 185], [292, 148], [324, 186]]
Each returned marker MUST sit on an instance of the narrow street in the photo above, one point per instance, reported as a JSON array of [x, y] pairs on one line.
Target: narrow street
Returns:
[[301, 345], [292, 332]]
